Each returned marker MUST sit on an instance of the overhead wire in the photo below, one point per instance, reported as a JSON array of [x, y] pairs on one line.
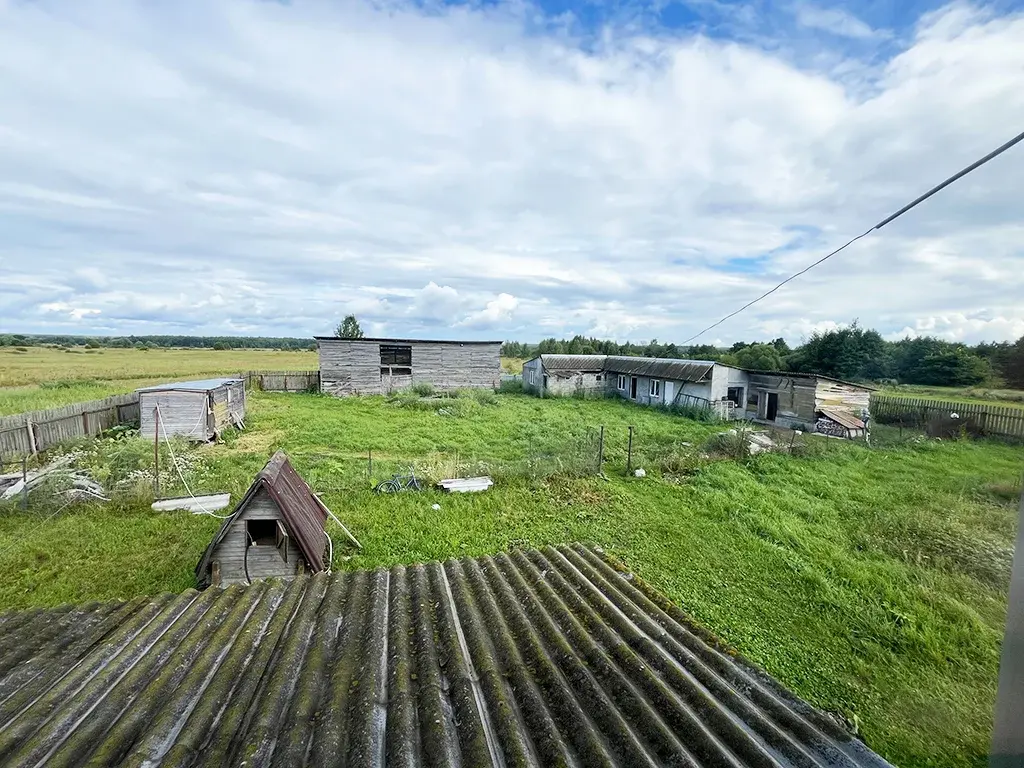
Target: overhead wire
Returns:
[[887, 220], [174, 461]]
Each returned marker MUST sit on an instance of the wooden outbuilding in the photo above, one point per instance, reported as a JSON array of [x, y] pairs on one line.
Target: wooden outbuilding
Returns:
[[196, 410], [276, 531], [378, 366]]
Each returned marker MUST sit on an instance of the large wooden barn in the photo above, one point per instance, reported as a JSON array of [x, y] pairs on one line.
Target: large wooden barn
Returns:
[[195, 410], [379, 366], [277, 530]]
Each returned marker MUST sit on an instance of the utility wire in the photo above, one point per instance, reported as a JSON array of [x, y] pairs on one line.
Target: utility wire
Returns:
[[939, 187]]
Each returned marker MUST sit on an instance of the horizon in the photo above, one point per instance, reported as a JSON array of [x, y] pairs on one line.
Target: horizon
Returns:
[[523, 170]]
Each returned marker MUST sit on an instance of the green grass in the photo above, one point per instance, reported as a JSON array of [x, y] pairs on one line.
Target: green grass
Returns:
[[871, 582], [988, 396]]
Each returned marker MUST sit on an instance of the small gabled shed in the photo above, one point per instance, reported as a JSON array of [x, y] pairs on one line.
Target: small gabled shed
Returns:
[[276, 531], [196, 410]]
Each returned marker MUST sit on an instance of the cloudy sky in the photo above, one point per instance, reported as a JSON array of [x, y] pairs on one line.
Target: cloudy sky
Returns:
[[631, 170]]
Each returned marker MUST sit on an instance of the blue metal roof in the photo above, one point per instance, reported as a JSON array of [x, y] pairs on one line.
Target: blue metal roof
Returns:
[[200, 385]]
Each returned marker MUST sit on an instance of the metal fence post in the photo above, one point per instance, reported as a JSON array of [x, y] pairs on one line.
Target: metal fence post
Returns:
[[600, 451], [24, 482], [629, 451], [369, 463]]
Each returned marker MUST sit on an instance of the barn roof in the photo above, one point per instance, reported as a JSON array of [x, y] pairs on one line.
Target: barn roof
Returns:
[[303, 515], [526, 658], [579, 363], [792, 375], [661, 367], [200, 385], [407, 341]]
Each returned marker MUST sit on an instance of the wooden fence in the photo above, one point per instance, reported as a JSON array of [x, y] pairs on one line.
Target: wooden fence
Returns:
[[36, 431], [1001, 420], [283, 381]]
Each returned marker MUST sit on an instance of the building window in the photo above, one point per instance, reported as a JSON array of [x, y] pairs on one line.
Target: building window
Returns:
[[622, 383], [735, 394], [395, 360], [531, 376], [598, 377], [655, 387]]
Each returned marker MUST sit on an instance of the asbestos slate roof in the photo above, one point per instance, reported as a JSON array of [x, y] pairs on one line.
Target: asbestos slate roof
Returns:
[[578, 363], [303, 515], [200, 385], [529, 658], [661, 367]]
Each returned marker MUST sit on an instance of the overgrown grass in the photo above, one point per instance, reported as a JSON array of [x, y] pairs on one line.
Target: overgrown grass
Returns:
[[871, 582], [39, 365]]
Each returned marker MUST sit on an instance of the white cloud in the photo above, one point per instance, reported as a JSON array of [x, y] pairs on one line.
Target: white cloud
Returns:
[[273, 167], [833, 20], [496, 314]]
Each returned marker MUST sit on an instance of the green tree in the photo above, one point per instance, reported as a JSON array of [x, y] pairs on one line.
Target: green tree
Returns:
[[952, 368], [221, 345], [846, 353], [759, 357], [349, 328], [1013, 370]]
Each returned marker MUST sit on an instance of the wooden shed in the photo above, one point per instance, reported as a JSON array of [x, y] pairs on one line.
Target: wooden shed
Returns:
[[378, 366], [195, 410], [276, 531]]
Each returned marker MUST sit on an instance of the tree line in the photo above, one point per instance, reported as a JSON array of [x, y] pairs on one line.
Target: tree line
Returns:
[[153, 342], [851, 352]]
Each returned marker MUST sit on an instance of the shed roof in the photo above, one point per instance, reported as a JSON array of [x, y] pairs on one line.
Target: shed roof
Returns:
[[407, 341], [303, 515], [661, 367], [791, 374], [527, 658], [580, 363], [199, 385], [843, 418]]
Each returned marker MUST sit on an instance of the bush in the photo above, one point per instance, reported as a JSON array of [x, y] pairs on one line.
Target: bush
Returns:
[[485, 396], [423, 389], [511, 387], [221, 346]]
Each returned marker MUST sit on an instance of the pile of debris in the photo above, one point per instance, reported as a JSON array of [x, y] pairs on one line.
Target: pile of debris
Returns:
[[74, 484]]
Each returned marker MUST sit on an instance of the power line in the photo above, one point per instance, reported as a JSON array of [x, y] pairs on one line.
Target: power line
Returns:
[[937, 188]]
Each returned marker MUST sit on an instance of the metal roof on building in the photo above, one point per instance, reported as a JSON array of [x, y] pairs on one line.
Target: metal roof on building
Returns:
[[303, 515], [406, 341], [545, 657], [661, 367], [579, 363], [200, 385]]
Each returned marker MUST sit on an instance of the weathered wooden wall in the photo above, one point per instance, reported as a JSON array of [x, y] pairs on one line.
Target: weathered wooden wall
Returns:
[[283, 381], [1001, 420], [182, 414], [352, 366], [56, 425], [797, 399], [834, 394], [263, 562]]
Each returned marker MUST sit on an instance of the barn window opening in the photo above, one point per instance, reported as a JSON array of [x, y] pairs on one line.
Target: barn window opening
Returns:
[[262, 533], [395, 360], [735, 394]]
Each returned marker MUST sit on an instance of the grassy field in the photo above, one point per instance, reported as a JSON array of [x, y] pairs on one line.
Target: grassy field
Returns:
[[1013, 397], [871, 582], [41, 377]]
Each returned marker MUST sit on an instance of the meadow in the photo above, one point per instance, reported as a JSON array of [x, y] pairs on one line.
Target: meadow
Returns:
[[34, 378], [872, 582]]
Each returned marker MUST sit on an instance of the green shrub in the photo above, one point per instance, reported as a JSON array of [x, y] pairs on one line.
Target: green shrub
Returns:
[[511, 386], [485, 396], [423, 389]]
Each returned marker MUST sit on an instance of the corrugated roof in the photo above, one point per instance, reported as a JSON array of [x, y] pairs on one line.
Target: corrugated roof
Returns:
[[303, 515], [528, 658], [200, 385], [791, 374], [661, 367], [843, 418], [407, 341], [580, 363]]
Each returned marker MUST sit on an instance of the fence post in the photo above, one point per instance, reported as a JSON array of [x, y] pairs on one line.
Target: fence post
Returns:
[[31, 437], [600, 451], [629, 451], [369, 463], [24, 482], [156, 453]]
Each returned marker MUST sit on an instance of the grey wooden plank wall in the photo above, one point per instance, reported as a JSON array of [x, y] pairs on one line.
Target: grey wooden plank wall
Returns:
[[352, 366], [263, 562], [182, 414], [56, 425], [283, 381]]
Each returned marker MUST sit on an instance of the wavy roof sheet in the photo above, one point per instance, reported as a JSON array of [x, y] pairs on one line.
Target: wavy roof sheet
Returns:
[[577, 363], [531, 658], [661, 367]]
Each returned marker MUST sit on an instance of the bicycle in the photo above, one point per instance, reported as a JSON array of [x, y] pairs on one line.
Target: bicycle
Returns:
[[399, 483]]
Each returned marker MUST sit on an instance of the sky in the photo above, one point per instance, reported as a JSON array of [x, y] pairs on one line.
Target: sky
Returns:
[[509, 170]]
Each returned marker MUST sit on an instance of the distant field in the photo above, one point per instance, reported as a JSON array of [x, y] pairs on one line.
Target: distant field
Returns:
[[47, 378], [959, 394]]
